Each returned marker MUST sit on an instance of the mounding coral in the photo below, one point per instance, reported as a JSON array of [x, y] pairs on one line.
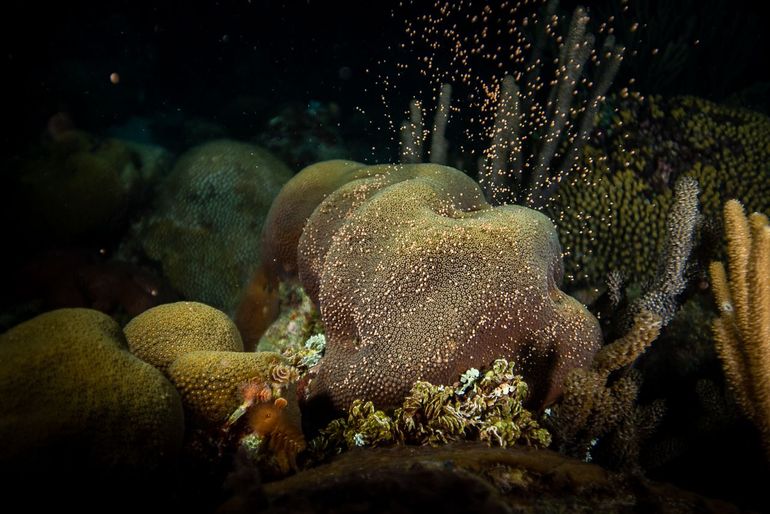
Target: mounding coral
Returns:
[[161, 334], [72, 395], [418, 278], [77, 186], [208, 210]]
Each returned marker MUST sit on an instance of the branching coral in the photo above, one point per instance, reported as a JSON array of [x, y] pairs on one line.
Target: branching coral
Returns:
[[595, 404], [486, 407], [742, 330], [535, 139]]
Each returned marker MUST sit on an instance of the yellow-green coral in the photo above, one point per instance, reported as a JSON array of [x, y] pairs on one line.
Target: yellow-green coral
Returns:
[[211, 382], [486, 407], [612, 216], [69, 388], [163, 333]]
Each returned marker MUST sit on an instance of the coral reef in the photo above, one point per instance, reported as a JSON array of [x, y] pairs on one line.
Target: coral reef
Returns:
[[162, 334], [486, 407], [415, 272], [595, 404], [208, 210], [742, 330], [299, 319], [73, 397]]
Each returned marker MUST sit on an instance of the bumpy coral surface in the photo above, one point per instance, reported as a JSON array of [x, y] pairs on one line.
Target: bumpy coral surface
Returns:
[[209, 211], [418, 278], [161, 334], [294, 205], [210, 382], [70, 389]]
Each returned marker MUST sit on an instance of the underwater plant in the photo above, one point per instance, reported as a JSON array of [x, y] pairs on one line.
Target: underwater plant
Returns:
[[484, 406]]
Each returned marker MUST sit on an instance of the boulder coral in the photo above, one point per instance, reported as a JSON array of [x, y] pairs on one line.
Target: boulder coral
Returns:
[[71, 394], [207, 212], [418, 278], [210, 382], [161, 334]]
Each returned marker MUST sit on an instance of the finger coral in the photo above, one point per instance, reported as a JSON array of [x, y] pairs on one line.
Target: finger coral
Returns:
[[69, 389], [163, 333], [418, 278]]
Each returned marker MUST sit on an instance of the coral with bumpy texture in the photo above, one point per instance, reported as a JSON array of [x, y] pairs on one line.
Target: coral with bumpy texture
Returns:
[[210, 382], [209, 209], [418, 278], [294, 205], [75, 187], [163, 333], [70, 389]]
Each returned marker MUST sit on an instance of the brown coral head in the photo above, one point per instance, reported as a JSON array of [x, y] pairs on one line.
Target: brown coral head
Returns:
[[418, 278], [284, 374]]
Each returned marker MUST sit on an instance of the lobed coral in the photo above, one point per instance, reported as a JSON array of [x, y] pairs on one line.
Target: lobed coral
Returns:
[[72, 395], [162, 334], [210, 382], [418, 278], [208, 209]]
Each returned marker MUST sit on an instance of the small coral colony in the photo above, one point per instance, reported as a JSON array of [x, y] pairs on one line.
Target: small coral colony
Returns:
[[600, 273]]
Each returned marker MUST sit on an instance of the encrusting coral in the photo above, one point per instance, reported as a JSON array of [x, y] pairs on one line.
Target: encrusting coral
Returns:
[[72, 395], [486, 407], [163, 333], [742, 330], [418, 278]]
